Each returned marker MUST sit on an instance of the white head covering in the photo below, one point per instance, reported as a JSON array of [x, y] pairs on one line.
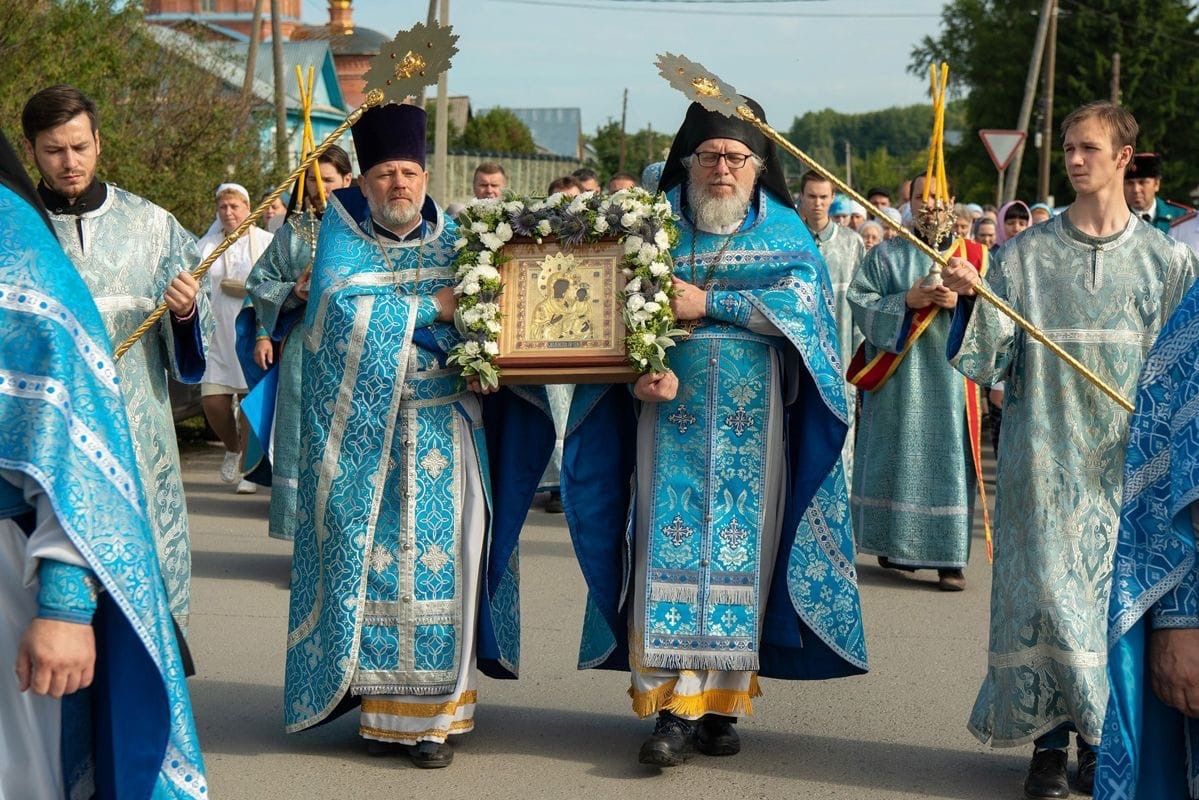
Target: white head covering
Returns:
[[215, 228]]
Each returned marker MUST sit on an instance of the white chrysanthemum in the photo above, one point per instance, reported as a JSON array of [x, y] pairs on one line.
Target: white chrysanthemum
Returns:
[[647, 254], [470, 288], [493, 326], [504, 231], [544, 228], [658, 269]]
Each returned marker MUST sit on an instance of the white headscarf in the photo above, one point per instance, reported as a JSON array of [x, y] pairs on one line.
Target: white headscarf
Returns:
[[215, 227]]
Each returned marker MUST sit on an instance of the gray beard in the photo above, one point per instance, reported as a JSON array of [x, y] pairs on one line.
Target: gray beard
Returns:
[[395, 216], [717, 214]]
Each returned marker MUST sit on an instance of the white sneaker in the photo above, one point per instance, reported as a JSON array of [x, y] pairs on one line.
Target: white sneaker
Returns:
[[230, 467], [246, 487]]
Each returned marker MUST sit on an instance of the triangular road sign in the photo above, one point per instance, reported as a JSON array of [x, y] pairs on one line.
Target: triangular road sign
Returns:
[[1001, 146]]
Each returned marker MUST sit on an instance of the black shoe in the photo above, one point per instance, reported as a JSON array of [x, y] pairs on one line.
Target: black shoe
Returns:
[[554, 504], [716, 736], [887, 563], [1047, 776], [1085, 780], [951, 580], [430, 755], [671, 742]]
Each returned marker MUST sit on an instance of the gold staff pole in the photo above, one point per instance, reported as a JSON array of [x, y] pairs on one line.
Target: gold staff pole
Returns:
[[410, 62], [715, 95]]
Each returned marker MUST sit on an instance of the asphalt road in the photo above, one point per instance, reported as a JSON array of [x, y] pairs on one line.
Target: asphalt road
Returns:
[[898, 732]]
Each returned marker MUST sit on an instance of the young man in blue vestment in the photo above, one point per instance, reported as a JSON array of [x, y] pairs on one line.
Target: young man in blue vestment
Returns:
[[398, 587], [1150, 745], [1101, 282], [732, 556], [92, 694]]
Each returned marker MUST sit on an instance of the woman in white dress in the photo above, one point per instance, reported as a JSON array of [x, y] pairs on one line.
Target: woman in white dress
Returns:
[[223, 378]]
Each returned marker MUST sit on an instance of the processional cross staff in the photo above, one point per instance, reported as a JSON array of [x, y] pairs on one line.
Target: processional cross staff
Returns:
[[405, 66], [703, 87]]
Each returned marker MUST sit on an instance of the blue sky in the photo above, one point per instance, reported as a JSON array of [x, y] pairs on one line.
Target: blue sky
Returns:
[[792, 56]]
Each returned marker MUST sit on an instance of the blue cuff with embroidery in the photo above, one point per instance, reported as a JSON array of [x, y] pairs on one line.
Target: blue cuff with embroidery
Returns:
[[727, 306], [427, 311], [67, 593], [1179, 607]]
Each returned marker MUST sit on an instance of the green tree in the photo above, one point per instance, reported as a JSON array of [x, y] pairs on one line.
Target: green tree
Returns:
[[988, 44], [641, 148], [169, 131], [498, 131], [888, 146]]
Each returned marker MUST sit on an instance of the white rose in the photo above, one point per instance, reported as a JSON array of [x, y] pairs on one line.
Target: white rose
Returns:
[[479, 227], [636, 303], [628, 220], [632, 244], [661, 239], [514, 207], [504, 231], [652, 307], [537, 206], [628, 273], [459, 244], [493, 327], [641, 316], [471, 348], [601, 225], [484, 258], [491, 241], [486, 273], [648, 338], [470, 288], [544, 228], [491, 348], [576, 205], [633, 286], [647, 254], [658, 269], [661, 297]]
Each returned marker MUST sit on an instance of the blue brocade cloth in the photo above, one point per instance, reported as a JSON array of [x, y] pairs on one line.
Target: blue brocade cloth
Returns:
[[132, 733], [812, 625], [1148, 748]]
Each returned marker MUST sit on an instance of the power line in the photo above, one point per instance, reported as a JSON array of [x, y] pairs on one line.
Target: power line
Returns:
[[625, 5]]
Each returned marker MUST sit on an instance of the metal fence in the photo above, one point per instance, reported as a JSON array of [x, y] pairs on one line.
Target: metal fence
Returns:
[[527, 174]]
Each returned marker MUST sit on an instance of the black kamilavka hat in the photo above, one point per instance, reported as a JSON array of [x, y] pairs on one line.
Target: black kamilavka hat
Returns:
[[390, 133]]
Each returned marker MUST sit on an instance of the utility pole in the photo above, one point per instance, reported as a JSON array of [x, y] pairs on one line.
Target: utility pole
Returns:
[[432, 17], [1030, 89], [848, 164], [1047, 130], [281, 160], [441, 131], [624, 114], [1116, 79], [252, 55], [649, 144]]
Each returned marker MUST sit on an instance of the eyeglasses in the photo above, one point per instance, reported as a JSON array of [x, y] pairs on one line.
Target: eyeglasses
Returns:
[[707, 158]]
